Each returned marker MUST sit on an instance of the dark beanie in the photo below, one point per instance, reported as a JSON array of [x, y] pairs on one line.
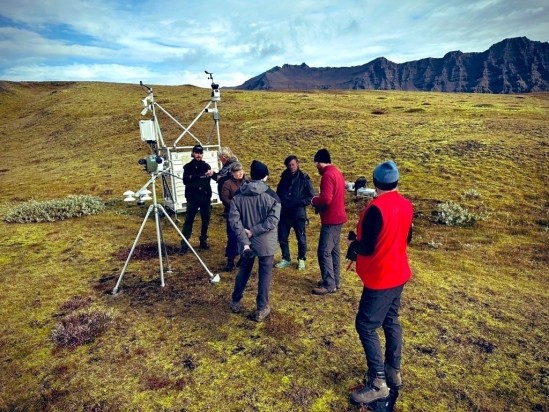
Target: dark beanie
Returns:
[[323, 156], [386, 175], [258, 170]]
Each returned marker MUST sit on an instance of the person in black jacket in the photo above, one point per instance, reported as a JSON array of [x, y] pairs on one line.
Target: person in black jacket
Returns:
[[198, 192], [295, 190]]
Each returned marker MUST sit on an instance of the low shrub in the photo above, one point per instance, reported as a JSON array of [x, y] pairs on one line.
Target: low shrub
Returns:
[[453, 214], [52, 210], [79, 328], [471, 194]]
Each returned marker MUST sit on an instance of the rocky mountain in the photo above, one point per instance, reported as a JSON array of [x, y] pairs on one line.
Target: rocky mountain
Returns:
[[516, 65]]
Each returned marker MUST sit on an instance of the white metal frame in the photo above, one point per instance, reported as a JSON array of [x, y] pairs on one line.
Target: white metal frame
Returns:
[[178, 155]]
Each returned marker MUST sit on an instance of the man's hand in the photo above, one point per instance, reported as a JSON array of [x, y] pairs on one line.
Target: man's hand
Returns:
[[209, 173], [351, 238], [247, 252], [248, 233]]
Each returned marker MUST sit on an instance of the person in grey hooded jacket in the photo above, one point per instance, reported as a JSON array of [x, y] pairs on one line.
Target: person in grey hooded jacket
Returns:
[[254, 217]]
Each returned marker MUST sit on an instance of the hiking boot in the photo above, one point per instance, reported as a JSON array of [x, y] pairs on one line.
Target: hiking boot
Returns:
[[238, 262], [230, 264], [282, 264], [301, 264], [235, 307], [394, 380], [183, 250], [260, 315], [374, 388], [320, 283], [204, 245], [321, 290]]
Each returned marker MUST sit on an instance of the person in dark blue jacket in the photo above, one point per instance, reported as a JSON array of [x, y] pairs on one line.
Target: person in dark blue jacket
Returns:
[[295, 190], [198, 192]]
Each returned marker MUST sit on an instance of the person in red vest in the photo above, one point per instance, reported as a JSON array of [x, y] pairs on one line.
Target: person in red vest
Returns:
[[383, 233]]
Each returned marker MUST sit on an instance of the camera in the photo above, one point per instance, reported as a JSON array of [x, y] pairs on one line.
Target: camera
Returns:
[[152, 163]]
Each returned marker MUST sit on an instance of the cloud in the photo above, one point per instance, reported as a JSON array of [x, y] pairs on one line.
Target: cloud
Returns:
[[82, 72], [174, 41]]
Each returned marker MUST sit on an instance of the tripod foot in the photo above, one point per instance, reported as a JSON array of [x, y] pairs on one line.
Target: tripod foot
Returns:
[[215, 278]]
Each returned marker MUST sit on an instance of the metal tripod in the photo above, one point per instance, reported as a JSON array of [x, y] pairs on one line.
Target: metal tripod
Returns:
[[162, 251]]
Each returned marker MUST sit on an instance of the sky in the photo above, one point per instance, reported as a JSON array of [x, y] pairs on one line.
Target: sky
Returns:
[[172, 42]]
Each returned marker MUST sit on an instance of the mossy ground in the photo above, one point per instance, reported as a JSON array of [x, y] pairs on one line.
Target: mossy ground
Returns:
[[474, 314]]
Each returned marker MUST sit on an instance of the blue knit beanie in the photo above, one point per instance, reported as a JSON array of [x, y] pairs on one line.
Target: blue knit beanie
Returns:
[[386, 175]]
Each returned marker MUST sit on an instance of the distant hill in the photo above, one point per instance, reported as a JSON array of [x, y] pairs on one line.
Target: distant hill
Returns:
[[516, 65]]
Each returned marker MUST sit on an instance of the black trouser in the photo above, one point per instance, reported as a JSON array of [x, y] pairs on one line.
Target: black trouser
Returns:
[[231, 250], [284, 226], [192, 209], [379, 308], [263, 283]]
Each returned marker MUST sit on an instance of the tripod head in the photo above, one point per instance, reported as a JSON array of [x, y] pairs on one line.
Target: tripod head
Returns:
[[216, 94]]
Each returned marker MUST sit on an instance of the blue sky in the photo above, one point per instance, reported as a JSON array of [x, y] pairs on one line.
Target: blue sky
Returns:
[[172, 42]]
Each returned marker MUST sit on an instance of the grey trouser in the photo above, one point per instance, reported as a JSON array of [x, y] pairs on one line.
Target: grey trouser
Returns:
[[329, 255]]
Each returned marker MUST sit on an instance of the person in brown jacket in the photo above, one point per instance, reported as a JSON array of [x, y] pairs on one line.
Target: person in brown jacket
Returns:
[[229, 188]]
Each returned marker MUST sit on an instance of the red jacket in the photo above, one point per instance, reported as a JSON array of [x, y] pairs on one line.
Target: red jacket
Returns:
[[331, 200], [388, 266]]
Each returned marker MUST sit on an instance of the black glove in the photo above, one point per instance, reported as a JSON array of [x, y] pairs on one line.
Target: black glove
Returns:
[[248, 254], [351, 254]]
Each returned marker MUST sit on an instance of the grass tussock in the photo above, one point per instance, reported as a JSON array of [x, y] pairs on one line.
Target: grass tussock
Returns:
[[474, 314]]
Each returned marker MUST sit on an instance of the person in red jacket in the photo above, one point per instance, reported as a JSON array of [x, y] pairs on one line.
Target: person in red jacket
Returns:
[[383, 233], [330, 204]]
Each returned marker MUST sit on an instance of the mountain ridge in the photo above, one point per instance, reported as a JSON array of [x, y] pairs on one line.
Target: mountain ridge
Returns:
[[514, 65]]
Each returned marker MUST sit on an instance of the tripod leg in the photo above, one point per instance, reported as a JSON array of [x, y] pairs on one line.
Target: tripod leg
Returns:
[[159, 243], [115, 290], [213, 278], [165, 250]]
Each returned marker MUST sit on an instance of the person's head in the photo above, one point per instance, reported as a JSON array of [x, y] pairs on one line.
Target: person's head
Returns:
[[259, 171], [237, 170], [386, 176], [292, 164], [322, 158], [198, 152], [225, 154]]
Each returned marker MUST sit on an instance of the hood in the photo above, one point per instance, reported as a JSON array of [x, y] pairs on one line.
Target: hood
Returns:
[[253, 188]]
